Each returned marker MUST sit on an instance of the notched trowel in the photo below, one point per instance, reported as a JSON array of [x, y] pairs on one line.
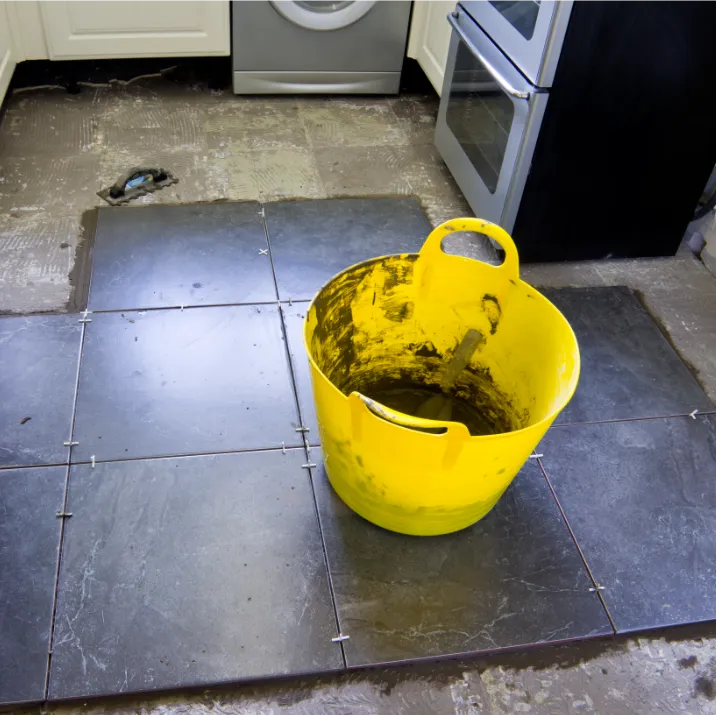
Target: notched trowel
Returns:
[[136, 182]]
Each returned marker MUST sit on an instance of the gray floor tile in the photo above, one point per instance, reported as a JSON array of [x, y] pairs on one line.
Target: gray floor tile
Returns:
[[629, 370], [38, 364], [191, 571], [311, 241], [169, 382], [514, 578], [29, 540], [158, 256], [294, 317], [641, 499]]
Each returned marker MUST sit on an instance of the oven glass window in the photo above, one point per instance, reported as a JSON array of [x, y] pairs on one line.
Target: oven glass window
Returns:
[[479, 115], [521, 14]]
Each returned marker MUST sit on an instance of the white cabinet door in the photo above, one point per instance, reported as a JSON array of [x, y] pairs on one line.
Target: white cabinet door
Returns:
[[430, 38], [84, 30], [7, 54], [28, 36]]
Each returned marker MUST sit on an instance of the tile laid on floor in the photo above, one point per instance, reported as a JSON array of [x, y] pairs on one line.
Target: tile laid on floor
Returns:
[[641, 499], [514, 578], [29, 541], [38, 364], [170, 382], [629, 370], [191, 571], [194, 254], [311, 241], [293, 318]]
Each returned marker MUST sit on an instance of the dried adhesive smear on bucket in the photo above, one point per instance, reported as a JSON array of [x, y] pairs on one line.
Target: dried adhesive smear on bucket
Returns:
[[372, 336]]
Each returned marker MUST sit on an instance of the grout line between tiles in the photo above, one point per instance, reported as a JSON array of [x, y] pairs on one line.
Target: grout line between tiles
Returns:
[[307, 451], [63, 521], [326, 560], [8, 467], [699, 413], [188, 455], [270, 252], [292, 375], [183, 307], [594, 581]]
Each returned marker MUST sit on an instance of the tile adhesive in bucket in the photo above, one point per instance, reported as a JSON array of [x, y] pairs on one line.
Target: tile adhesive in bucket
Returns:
[[381, 335]]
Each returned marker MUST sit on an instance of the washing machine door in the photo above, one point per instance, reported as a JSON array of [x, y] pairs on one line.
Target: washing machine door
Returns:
[[322, 14]]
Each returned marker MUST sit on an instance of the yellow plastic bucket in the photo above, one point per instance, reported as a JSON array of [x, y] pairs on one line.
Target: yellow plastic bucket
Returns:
[[396, 321]]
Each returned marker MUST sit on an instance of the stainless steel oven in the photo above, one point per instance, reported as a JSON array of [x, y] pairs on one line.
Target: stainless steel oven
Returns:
[[529, 32], [488, 122]]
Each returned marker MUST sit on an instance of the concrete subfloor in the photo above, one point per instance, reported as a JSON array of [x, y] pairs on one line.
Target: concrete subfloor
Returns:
[[57, 150]]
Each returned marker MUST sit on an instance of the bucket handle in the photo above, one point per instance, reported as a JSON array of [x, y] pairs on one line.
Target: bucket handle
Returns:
[[432, 248], [456, 434]]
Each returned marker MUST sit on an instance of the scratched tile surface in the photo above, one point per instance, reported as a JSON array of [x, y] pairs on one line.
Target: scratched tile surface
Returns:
[[38, 373], [179, 572], [168, 382], [29, 541], [160, 256], [514, 578], [641, 499], [311, 241]]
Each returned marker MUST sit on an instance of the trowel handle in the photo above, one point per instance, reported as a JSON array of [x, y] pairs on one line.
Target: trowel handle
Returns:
[[119, 187], [432, 247]]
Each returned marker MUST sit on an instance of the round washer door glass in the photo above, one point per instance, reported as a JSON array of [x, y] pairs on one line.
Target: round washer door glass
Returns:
[[322, 15]]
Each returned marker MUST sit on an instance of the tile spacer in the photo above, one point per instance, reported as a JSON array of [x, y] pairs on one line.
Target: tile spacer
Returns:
[[536, 456], [340, 638], [283, 447], [263, 251], [70, 443], [181, 308], [262, 211], [302, 429], [84, 318], [593, 589], [63, 514], [308, 465], [92, 458], [290, 301], [693, 414]]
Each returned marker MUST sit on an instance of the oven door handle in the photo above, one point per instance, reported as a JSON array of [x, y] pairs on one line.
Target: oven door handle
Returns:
[[506, 86]]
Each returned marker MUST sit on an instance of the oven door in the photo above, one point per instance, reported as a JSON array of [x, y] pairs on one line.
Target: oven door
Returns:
[[487, 124], [529, 32]]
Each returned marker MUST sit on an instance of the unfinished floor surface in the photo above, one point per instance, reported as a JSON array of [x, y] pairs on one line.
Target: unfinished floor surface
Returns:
[[269, 143], [201, 542]]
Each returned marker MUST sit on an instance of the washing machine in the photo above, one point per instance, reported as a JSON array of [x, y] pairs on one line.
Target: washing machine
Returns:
[[285, 47]]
